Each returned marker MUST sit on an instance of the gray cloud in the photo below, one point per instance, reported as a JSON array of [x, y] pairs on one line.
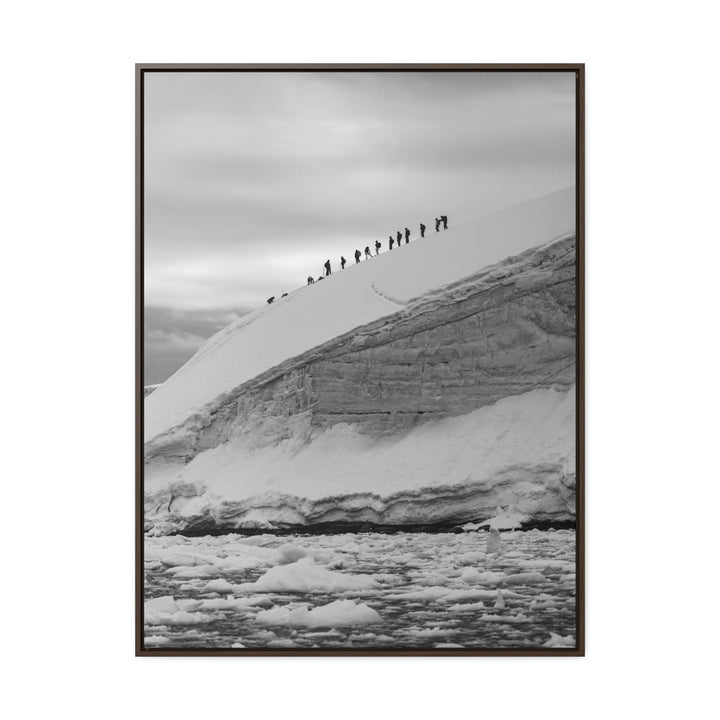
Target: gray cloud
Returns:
[[173, 336]]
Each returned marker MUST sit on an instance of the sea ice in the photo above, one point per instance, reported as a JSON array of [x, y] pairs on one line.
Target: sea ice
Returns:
[[156, 640], [166, 610], [335, 614], [493, 541], [217, 586], [305, 576], [557, 641]]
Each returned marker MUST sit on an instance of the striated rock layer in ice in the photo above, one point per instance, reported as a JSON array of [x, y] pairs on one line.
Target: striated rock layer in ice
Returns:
[[460, 401]]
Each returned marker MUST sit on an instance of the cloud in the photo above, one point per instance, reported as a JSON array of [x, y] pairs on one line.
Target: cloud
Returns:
[[173, 336]]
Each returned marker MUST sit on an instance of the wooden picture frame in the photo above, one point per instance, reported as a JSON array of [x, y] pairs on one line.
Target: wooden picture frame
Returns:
[[142, 648]]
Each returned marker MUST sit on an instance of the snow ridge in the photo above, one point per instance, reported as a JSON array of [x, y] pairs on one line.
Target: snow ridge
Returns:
[[313, 315]]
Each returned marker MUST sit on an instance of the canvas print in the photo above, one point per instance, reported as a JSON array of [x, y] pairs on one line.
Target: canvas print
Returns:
[[360, 375]]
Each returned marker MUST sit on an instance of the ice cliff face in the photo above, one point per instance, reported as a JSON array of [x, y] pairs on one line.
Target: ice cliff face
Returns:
[[460, 401]]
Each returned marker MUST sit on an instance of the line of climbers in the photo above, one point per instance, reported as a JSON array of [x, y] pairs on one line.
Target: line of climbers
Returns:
[[327, 269]]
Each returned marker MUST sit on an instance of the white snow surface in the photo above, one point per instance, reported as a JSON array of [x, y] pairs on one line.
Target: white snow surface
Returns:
[[313, 315]]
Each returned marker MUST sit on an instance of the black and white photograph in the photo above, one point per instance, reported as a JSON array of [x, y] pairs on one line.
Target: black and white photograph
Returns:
[[359, 360], [360, 377]]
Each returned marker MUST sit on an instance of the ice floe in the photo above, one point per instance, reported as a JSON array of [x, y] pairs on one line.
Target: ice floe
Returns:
[[305, 576], [335, 614]]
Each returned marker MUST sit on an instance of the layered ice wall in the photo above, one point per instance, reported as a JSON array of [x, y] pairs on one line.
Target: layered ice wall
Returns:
[[454, 396]]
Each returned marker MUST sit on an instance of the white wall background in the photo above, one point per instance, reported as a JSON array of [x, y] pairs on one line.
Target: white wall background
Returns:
[[67, 296]]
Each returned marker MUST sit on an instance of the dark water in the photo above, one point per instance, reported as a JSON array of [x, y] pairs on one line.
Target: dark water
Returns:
[[426, 589]]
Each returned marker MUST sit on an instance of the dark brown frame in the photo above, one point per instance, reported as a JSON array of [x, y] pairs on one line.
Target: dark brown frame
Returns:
[[579, 70]]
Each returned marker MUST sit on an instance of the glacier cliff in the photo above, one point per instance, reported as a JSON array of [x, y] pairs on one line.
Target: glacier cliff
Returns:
[[440, 408]]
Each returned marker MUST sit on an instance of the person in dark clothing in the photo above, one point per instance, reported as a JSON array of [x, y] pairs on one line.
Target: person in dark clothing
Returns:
[[367, 252], [378, 245], [407, 236], [311, 280], [444, 220], [327, 267], [284, 294], [357, 256], [342, 262], [270, 300], [399, 238], [437, 224], [320, 278], [422, 230], [392, 241]]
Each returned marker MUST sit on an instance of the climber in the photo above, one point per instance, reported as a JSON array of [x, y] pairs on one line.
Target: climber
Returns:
[[367, 252], [310, 280], [342, 262], [378, 245], [422, 230], [407, 236], [437, 224], [327, 267], [399, 238], [284, 294], [392, 241], [444, 221], [270, 300], [357, 256]]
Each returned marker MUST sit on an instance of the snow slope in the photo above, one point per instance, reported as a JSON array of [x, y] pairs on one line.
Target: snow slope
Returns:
[[358, 295]]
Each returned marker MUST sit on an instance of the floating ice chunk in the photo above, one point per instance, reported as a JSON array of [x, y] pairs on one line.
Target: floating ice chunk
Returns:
[[238, 604], [470, 558], [428, 593], [188, 605], [557, 641], [217, 604], [177, 618], [479, 594], [290, 553], [447, 646], [237, 645], [335, 614], [470, 575], [549, 563], [258, 601], [470, 527], [493, 542], [467, 607], [218, 586], [538, 604], [473, 576], [166, 603], [511, 619], [445, 595], [194, 571], [166, 610], [328, 633], [305, 576], [432, 632], [156, 640], [529, 578], [350, 547], [508, 519]]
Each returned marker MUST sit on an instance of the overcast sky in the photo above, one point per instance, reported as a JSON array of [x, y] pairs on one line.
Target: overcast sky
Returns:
[[253, 180]]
